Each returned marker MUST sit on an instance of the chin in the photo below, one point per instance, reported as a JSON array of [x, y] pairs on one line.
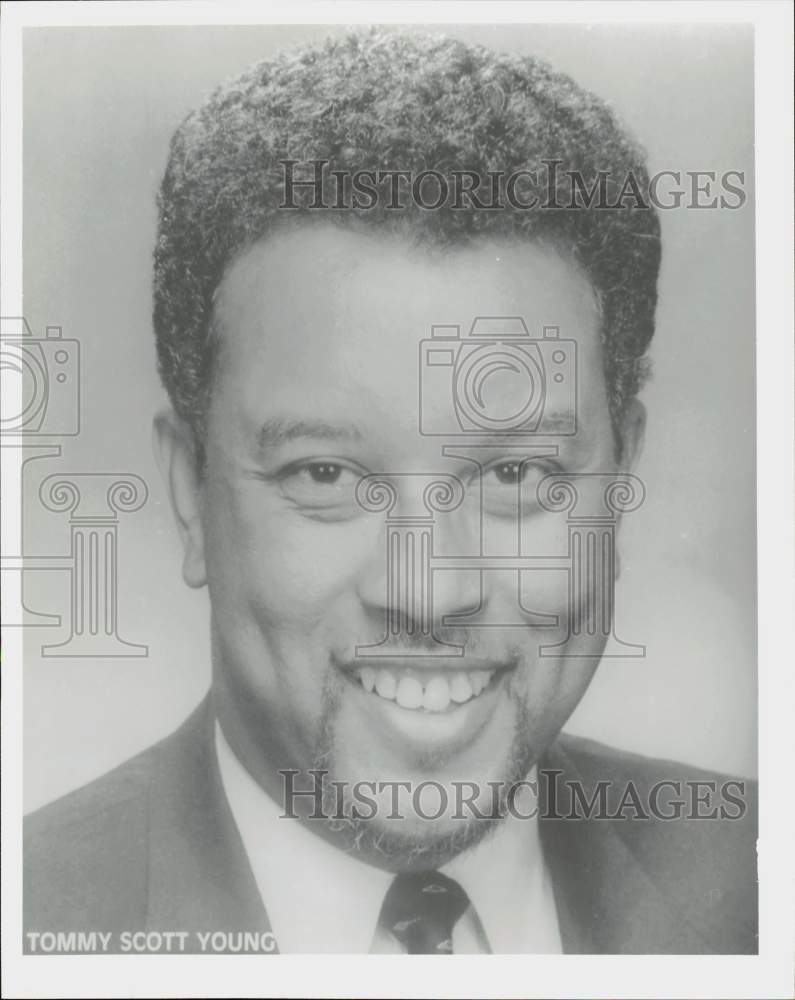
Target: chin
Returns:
[[405, 805], [404, 841]]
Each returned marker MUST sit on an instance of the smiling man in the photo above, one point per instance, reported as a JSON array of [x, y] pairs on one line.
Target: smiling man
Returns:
[[402, 620]]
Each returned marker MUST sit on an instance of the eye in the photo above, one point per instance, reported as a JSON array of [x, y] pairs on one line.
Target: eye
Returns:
[[321, 485], [510, 473], [509, 486], [326, 473]]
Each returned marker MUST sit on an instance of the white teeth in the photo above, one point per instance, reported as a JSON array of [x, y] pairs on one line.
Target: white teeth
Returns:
[[479, 679], [476, 680], [386, 685], [437, 695], [433, 695], [460, 688], [409, 693]]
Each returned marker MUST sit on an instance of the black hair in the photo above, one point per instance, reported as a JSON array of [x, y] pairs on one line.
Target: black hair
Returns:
[[397, 100]]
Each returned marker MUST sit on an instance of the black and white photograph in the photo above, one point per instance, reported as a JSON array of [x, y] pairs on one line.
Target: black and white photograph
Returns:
[[387, 567]]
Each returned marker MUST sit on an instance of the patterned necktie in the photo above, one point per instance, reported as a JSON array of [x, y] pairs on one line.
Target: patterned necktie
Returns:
[[421, 909]]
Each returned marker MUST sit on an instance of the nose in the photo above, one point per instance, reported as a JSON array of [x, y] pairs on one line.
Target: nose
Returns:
[[455, 591], [399, 586]]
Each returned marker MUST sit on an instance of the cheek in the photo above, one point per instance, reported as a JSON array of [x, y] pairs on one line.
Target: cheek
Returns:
[[284, 567], [303, 568], [544, 589], [550, 691]]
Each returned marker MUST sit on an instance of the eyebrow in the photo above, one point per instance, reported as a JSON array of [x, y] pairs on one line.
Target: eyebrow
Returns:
[[551, 425], [558, 419], [281, 430], [278, 431]]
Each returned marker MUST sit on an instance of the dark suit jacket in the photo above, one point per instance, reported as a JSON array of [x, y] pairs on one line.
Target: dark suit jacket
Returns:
[[153, 846]]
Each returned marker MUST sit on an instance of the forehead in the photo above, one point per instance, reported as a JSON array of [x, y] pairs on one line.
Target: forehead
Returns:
[[332, 313]]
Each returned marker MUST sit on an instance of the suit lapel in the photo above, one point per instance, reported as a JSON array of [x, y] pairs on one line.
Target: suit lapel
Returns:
[[607, 904], [199, 875]]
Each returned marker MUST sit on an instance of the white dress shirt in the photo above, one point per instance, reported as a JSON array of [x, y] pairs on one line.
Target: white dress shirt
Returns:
[[319, 899]]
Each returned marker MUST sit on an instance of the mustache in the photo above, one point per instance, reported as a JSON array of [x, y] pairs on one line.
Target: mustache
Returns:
[[476, 644]]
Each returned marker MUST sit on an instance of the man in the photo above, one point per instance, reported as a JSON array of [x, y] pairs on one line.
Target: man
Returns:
[[399, 605]]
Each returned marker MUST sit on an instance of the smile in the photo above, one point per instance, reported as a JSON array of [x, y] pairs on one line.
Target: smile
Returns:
[[422, 703], [425, 690], [424, 685]]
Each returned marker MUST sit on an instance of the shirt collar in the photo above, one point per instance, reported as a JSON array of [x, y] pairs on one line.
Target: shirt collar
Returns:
[[508, 883], [320, 899]]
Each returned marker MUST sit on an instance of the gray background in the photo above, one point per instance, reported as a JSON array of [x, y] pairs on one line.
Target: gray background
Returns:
[[100, 105]]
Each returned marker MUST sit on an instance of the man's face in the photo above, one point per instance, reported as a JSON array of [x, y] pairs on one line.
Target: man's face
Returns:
[[318, 384]]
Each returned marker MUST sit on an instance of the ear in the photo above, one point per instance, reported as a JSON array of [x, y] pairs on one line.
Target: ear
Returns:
[[177, 456], [633, 432]]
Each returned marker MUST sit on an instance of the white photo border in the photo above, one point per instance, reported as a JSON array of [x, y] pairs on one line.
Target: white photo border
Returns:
[[767, 975]]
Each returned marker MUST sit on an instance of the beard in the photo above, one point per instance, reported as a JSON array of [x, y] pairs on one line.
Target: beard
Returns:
[[385, 841]]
